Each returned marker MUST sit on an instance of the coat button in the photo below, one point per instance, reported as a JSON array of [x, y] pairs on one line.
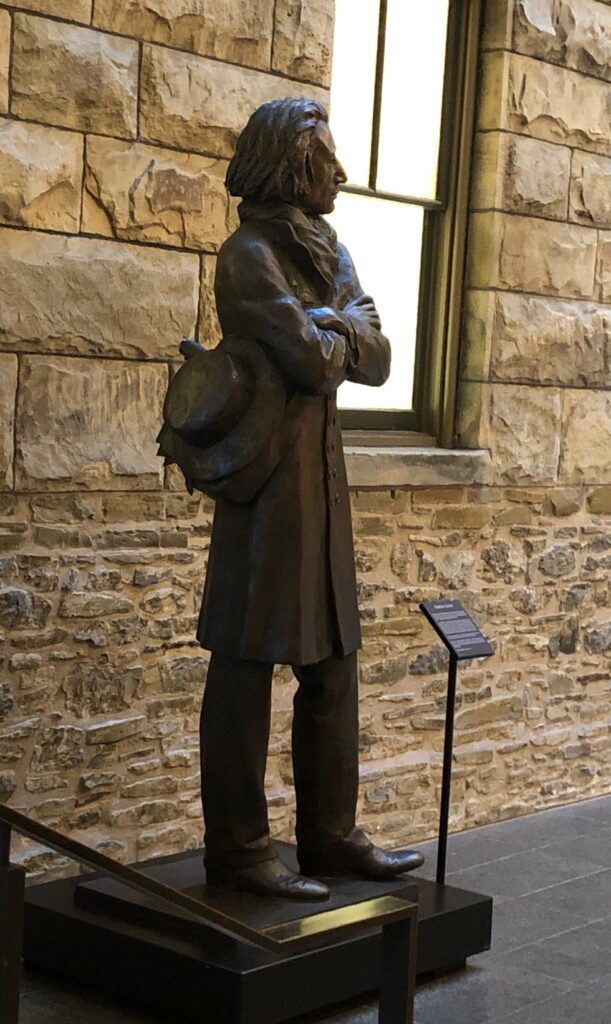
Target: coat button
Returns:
[[337, 497]]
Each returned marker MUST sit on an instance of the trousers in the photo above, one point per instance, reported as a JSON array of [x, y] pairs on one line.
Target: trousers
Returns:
[[234, 738]]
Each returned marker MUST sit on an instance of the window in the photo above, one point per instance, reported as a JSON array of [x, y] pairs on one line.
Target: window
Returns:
[[401, 113]]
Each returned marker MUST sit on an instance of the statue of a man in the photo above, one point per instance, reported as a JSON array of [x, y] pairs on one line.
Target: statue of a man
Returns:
[[281, 586]]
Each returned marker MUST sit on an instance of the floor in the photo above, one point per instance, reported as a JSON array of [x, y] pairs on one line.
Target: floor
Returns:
[[550, 963]]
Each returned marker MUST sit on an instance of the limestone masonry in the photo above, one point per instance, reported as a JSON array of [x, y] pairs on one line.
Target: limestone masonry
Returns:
[[116, 123]]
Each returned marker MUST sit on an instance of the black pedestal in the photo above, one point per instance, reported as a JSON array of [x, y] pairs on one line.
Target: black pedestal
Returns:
[[132, 948]]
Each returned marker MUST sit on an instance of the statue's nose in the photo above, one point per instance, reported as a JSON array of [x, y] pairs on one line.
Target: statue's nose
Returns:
[[340, 174]]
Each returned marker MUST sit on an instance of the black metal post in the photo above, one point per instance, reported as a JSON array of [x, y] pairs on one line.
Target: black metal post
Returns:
[[398, 971], [12, 892], [446, 781]]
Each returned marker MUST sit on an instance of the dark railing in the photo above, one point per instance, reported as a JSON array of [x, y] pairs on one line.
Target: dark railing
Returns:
[[396, 917]]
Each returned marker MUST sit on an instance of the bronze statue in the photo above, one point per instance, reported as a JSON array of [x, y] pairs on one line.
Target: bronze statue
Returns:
[[255, 424]]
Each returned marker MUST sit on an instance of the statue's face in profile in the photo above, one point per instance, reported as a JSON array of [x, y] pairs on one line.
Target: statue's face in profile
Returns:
[[326, 172]]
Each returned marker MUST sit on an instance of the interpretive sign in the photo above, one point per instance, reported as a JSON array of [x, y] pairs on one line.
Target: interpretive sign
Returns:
[[464, 640], [457, 629]]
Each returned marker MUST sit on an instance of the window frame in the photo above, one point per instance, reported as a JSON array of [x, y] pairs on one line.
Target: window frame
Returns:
[[431, 421]]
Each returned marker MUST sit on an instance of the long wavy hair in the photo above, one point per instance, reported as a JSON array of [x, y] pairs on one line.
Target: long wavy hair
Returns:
[[273, 151]]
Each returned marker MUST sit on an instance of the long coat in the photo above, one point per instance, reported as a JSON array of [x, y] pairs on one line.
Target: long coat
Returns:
[[281, 583]]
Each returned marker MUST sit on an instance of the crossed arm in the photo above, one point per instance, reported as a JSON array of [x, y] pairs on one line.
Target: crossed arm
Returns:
[[315, 349]]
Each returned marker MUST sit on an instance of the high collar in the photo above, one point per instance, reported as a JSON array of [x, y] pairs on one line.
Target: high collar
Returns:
[[313, 236]]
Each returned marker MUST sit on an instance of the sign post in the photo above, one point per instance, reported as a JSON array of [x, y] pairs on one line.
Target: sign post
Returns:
[[463, 640]]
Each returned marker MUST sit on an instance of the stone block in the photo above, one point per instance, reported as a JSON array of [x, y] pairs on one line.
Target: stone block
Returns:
[[93, 689], [182, 675], [83, 605], [73, 76], [87, 296], [455, 570], [599, 501], [527, 96], [590, 201], [492, 93], [598, 638], [521, 174], [114, 730], [303, 39], [461, 517], [59, 747], [89, 424], [557, 561], [603, 267], [202, 105], [209, 329], [21, 609], [52, 811], [486, 182], [497, 30], [7, 701], [384, 673], [40, 176], [563, 502], [174, 839], [147, 813], [550, 103], [519, 424], [8, 389], [477, 333], [548, 341], [68, 10], [499, 710], [5, 52], [160, 786], [574, 33], [586, 437], [8, 785], [230, 30], [154, 195], [54, 537], [531, 255], [415, 467], [95, 785]]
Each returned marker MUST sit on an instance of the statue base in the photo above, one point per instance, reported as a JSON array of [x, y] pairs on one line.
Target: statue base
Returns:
[[102, 933]]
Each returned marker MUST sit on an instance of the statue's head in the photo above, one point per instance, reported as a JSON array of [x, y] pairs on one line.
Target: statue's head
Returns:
[[286, 152]]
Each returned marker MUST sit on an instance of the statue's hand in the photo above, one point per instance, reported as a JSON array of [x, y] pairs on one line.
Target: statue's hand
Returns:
[[329, 319], [363, 308], [189, 348]]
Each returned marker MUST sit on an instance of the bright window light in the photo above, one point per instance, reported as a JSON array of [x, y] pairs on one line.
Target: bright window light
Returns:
[[384, 240], [412, 94], [352, 88]]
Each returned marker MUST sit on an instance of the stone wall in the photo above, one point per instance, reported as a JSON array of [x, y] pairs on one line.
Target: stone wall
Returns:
[[118, 122]]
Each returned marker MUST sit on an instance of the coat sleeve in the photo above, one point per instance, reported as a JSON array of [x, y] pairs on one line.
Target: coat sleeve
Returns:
[[259, 301], [371, 360]]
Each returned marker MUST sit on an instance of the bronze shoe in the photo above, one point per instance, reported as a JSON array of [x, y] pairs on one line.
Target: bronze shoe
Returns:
[[269, 878], [357, 856]]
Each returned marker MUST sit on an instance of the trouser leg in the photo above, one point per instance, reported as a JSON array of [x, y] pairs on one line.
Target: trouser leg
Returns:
[[325, 751], [234, 737]]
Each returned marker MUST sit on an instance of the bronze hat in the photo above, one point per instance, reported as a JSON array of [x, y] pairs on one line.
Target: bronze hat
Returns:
[[221, 410]]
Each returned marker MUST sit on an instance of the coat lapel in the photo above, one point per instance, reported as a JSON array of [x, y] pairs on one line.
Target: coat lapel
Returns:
[[310, 243]]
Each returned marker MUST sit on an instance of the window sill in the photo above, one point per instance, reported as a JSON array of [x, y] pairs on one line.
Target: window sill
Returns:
[[385, 467]]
